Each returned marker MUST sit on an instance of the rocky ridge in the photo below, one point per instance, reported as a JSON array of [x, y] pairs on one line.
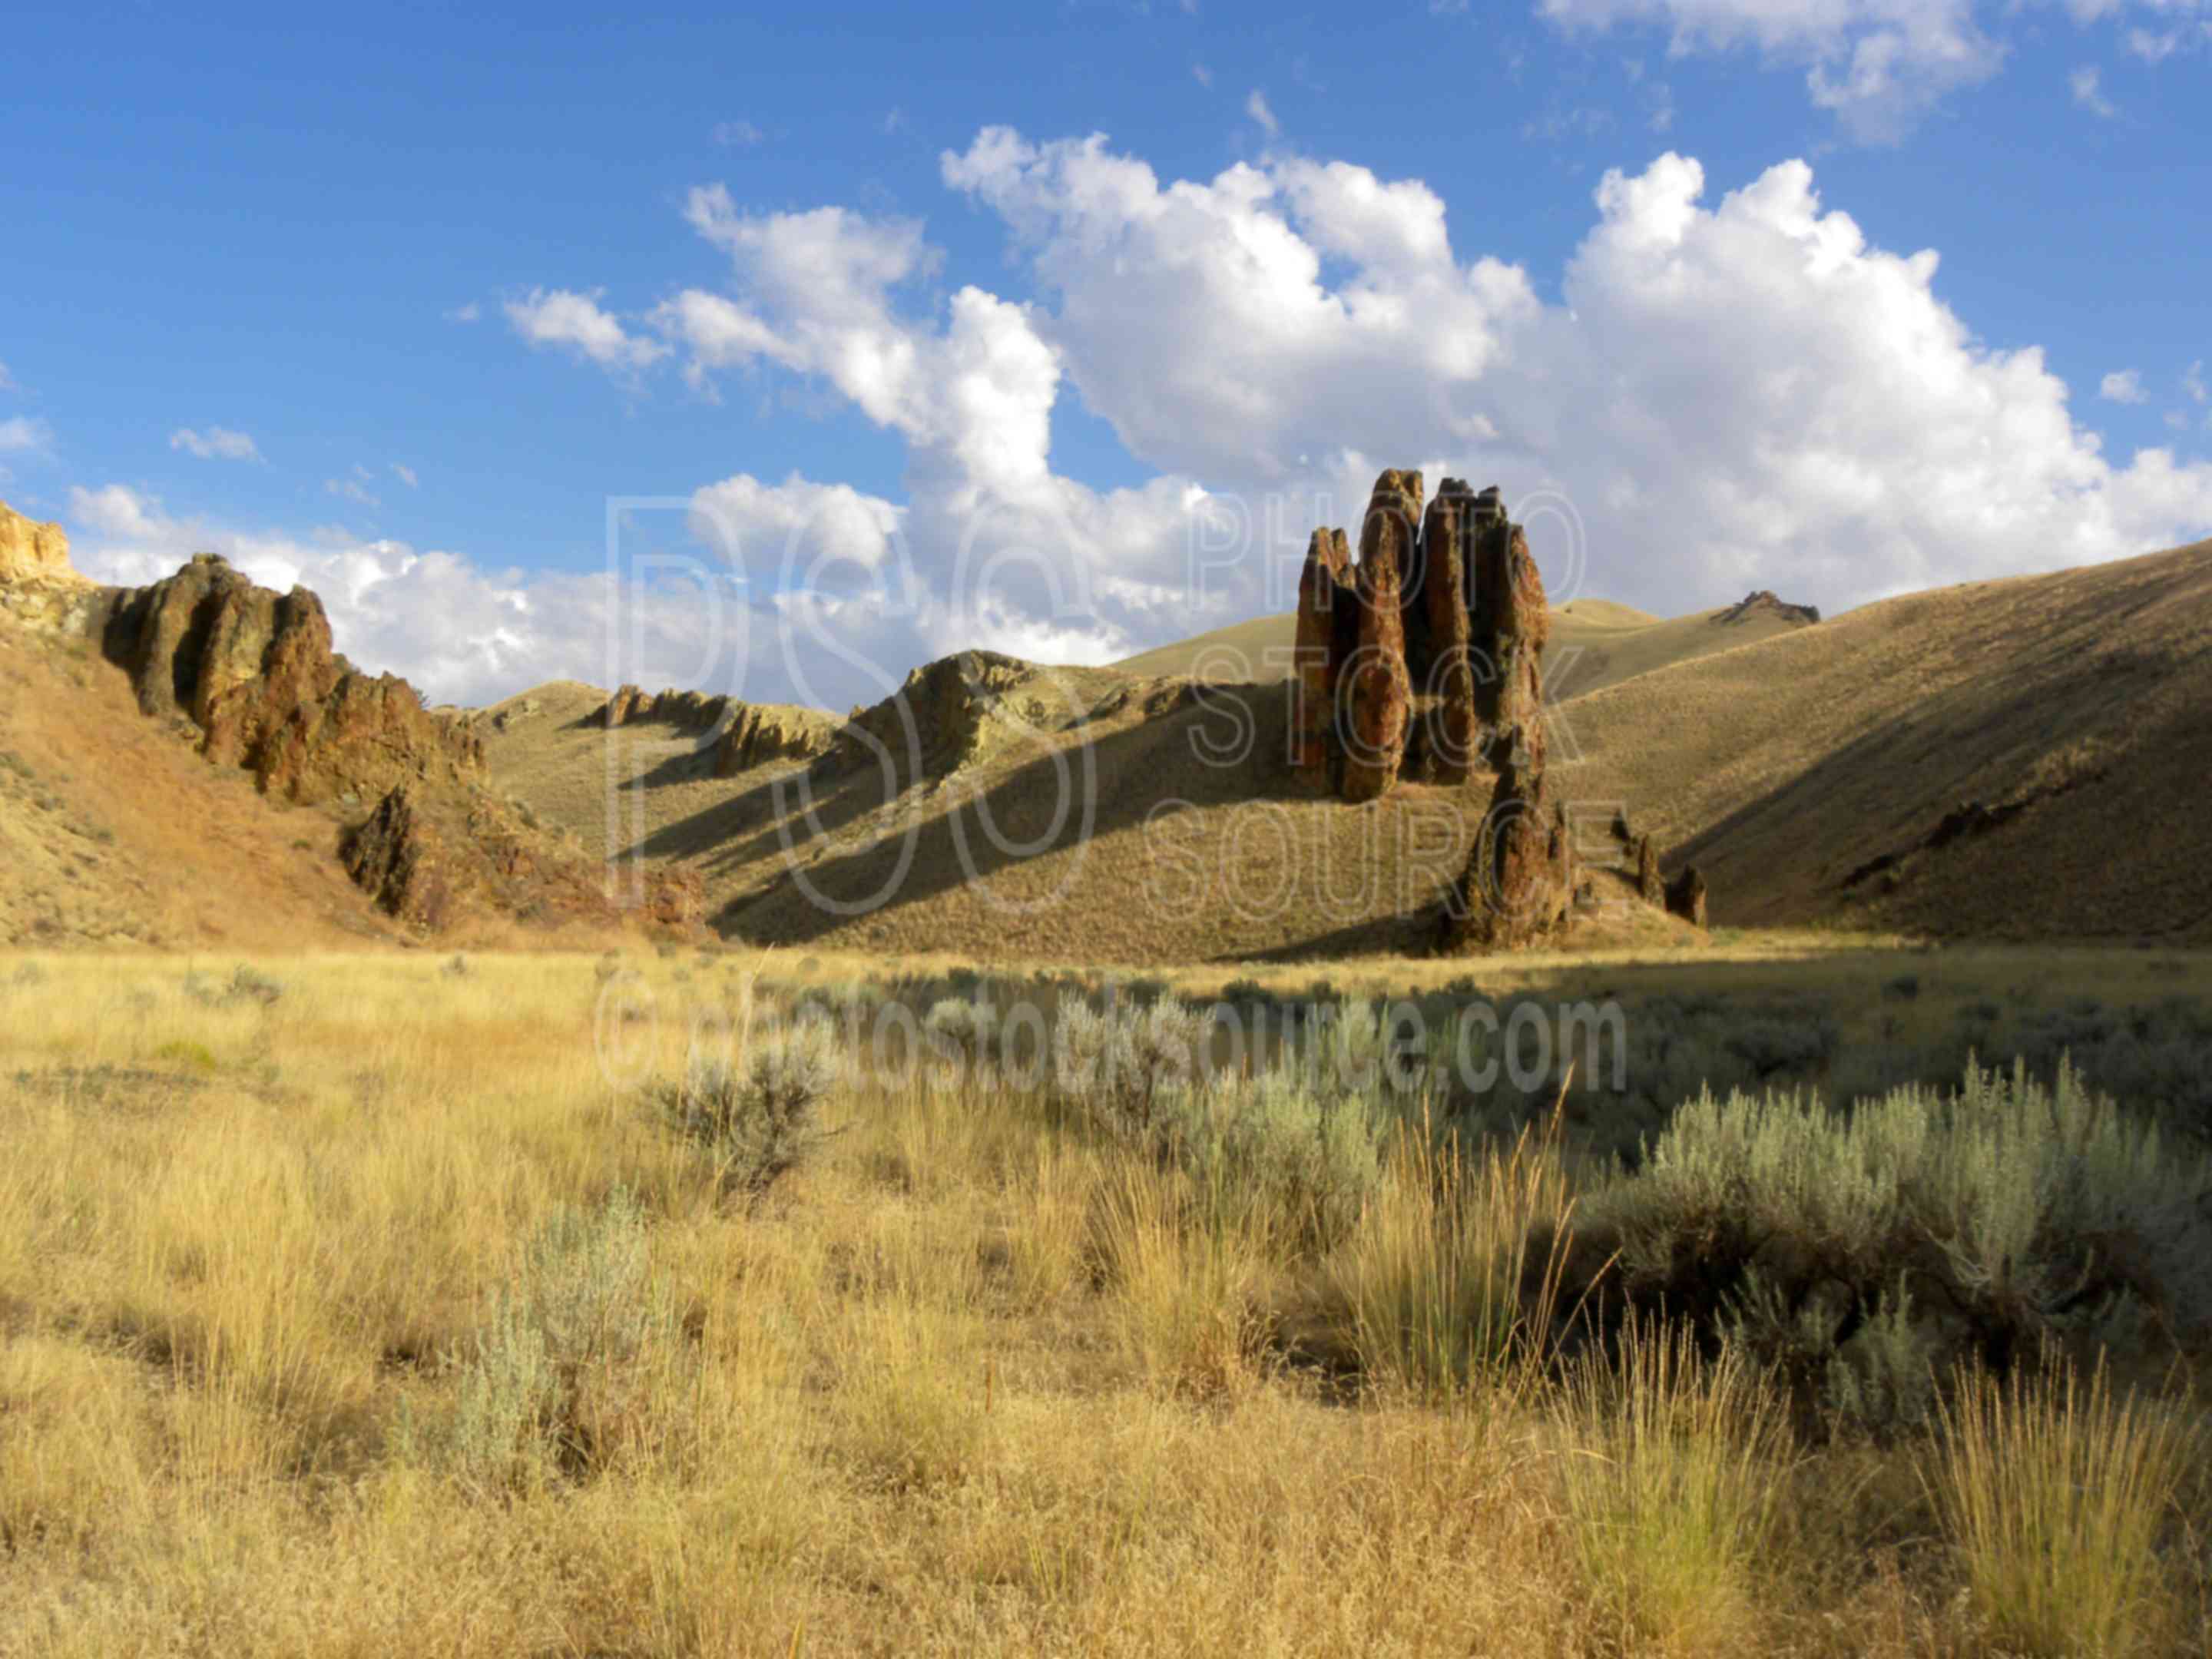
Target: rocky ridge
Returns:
[[250, 678], [744, 734], [1764, 602]]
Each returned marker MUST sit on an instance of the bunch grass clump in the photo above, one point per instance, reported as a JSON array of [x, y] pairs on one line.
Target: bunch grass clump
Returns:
[[1674, 1470], [2057, 1498]]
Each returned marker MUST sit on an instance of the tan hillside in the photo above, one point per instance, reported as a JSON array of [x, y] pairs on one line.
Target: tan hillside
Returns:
[[2074, 710], [192, 761], [1091, 817], [1595, 643], [113, 832], [1782, 759]]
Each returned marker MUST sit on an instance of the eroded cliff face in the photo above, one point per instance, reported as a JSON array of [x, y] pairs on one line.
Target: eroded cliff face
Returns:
[[40, 591], [743, 735], [250, 678], [254, 671]]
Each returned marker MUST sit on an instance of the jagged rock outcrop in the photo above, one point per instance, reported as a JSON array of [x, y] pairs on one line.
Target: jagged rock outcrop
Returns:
[[40, 591], [30, 551], [1510, 623], [757, 733], [689, 711], [1425, 660], [1519, 883], [1440, 629], [1685, 897], [1651, 886], [1763, 602], [251, 675], [745, 734], [947, 714], [398, 859], [255, 672], [1378, 683]]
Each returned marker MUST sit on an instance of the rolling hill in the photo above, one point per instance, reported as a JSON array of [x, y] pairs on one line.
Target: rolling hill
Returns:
[[1595, 644], [2025, 758]]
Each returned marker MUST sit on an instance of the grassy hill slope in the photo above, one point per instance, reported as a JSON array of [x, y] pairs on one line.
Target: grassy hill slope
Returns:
[[1595, 643], [1814, 772]]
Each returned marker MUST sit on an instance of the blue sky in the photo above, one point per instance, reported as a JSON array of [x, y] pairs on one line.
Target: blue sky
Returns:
[[968, 325]]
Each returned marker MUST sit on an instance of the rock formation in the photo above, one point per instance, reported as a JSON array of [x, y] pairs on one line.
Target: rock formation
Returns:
[[692, 711], [398, 859], [745, 734], [249, 674], [32, 552], [1765, 603], [1329, 633], [40, 591], [1519, 883], [1377, 682], [1424, 660], [949, 713], [1685, 897], [254, 671], [757, 733]]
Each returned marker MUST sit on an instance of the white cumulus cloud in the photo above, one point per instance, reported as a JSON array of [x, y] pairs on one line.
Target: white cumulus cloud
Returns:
[[564, 319], [217, 443], [1265, 340], [2122, 385], [1255, 106]]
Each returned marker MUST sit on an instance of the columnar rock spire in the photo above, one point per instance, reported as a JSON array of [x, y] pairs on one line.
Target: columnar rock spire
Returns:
[[1424, 661]]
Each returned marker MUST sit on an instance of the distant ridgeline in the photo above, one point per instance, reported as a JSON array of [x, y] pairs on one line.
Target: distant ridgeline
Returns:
[[1424, 661]]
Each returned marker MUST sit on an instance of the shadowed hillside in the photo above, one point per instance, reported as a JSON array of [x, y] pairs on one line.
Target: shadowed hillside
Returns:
[[2018, 758], [1812, 773]]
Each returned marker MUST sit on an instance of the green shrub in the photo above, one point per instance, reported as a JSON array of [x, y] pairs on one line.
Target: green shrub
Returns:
[[760, 1119], [248, 984], [544, 1387], [1117, 1067], [193, 1056], [957, 1026], [1306, 1157], [1857, 1251]]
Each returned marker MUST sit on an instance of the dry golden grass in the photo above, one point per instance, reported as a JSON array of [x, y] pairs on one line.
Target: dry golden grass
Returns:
[[2083, 697], [970, 1385], [114, 830], [1595, 643]]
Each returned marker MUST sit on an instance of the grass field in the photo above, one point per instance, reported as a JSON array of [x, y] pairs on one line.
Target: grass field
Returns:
[[348, 1305]]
